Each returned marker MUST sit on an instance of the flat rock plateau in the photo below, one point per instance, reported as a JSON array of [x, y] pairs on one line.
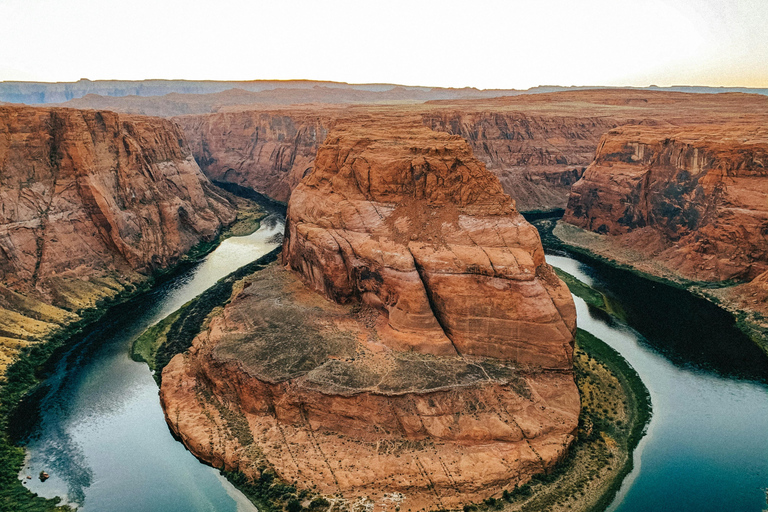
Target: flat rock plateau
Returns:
[[414, 351]]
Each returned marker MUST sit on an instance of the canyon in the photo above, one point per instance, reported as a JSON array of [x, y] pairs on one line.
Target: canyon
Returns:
[[687, 203], [416, 350], [537, 145], [91, 203]]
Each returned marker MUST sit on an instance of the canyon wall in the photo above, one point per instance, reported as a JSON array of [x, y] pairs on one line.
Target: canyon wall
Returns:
[[91, 202], [537, 145], [537, 158], [269, 152], [440, 370], [693, 199]]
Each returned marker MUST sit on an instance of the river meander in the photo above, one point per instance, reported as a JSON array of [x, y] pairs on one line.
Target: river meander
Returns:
[[707, 443], [102, 436]]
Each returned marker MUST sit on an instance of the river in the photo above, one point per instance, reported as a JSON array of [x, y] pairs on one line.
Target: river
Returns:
[[707, 443], [101, 435], [99, 430]]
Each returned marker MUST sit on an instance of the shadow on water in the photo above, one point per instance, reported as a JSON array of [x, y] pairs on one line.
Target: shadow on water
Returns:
[[688, 330]]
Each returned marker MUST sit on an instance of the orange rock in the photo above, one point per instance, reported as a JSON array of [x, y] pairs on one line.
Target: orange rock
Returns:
[[440, 371], [92, 201], [693, 198], [406, 220]]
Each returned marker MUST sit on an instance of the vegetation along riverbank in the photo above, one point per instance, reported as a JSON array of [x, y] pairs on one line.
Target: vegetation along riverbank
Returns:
[[615, 407], [34, 362]]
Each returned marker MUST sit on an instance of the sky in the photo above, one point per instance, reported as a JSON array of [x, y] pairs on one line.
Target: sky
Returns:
[[478, 43]]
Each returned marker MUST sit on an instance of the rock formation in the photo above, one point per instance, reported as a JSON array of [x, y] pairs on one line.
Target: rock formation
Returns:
[[538, 145], [90, 202], [412, 224], [693, 199], [268, 151], [439, 373], [536, 157]]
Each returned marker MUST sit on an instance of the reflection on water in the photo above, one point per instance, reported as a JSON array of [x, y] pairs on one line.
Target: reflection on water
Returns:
[[99, 430], [707, 444]]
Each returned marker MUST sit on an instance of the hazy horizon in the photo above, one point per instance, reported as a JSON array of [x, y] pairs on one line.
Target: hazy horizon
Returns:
[[574, 86], [493, 44]]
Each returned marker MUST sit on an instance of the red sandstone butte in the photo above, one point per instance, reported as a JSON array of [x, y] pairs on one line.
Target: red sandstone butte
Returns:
[[438, 373]]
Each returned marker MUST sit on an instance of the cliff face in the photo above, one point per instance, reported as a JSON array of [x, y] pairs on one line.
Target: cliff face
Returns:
[[266, 151], [410, 223], [440, 371], [536, 157], [91, 201], [695, 199]]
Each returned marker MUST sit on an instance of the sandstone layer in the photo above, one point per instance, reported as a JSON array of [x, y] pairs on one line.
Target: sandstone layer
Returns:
[[91, 202], [693, 199], [439, 373], [269, 152], [538, 145], [406, 220]]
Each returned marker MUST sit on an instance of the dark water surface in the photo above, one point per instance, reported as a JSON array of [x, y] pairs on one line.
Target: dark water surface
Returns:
[[101, 434], [707, 444]]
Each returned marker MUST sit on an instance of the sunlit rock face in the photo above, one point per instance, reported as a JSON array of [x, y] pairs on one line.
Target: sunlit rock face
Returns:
[[693, 198], [406, 220], [415, 347], [89, 202]]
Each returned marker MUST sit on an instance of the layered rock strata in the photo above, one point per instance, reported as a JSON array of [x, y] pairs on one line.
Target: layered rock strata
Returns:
[[269, 152], [691, 199], [538, 145], [439, 373], [536, 157], [89, 202]]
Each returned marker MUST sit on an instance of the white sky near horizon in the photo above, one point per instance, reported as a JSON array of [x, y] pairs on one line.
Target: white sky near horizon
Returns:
[[483, 43]]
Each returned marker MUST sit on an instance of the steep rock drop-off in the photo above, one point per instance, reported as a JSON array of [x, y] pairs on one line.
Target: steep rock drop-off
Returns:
[[91, 202], [440, 371], [538, 145], [694, 199], [267, 151]]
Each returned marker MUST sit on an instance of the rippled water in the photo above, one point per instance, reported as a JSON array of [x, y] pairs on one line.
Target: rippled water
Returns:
[[101, 434], [707, 443]]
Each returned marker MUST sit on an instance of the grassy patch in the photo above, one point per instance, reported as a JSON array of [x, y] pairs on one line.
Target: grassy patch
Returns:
[[145, 347], [174, 335], [579, 289]]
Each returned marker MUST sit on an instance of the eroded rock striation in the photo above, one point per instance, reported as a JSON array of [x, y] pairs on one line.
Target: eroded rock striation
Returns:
[[267, 151], [439, 373], [694, 199], [89, 202], [412, 224]]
